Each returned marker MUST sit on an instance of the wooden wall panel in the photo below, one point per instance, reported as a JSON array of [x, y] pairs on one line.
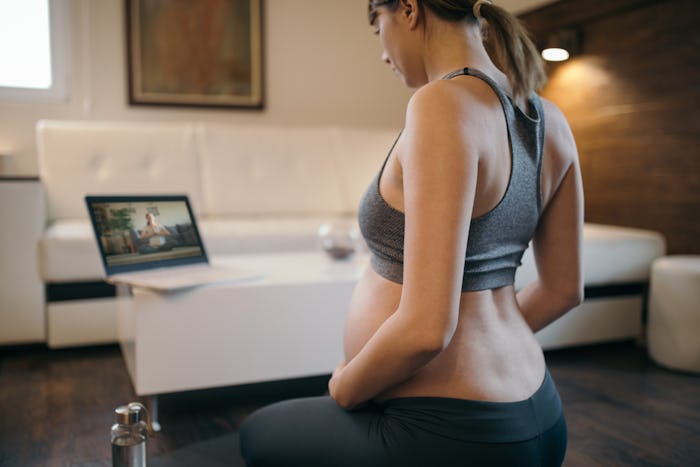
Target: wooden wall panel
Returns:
[[632, 97]]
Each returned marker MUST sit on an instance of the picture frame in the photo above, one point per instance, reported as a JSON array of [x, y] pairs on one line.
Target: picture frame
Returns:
[[193, 53]]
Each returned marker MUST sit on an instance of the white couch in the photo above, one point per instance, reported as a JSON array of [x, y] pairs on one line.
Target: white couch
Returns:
[[259, 188]]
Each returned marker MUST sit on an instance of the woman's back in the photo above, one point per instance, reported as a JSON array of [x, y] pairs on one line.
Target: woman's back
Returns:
[[491, 338]]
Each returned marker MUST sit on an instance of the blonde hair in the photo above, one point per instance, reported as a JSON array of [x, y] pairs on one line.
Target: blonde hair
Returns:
[[513, 50]]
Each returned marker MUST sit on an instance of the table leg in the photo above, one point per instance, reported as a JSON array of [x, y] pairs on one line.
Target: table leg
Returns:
[[153, 409]]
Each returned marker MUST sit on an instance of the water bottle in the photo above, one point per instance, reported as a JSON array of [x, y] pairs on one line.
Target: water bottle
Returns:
[[129, 436]]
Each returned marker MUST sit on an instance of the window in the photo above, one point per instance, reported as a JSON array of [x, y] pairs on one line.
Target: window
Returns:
[[31, 50]]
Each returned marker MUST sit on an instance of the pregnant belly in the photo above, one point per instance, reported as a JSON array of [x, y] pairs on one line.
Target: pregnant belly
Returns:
[[373, 301]]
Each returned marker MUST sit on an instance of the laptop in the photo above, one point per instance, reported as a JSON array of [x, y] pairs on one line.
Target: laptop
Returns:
[[153, 242]]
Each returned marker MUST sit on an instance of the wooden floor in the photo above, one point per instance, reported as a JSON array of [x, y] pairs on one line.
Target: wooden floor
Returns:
[[56, 407]]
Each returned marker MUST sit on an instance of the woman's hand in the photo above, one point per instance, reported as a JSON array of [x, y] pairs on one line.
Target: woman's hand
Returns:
[[333, 382], [334, 386]]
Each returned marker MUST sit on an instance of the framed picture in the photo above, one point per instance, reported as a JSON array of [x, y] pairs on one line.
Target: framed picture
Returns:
[[195, 53]]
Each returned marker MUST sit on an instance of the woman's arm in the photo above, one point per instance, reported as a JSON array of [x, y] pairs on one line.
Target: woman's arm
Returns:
[[439, 168], [558, 238]]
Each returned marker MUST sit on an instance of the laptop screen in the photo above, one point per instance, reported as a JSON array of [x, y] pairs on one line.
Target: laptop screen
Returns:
[[145, 232]]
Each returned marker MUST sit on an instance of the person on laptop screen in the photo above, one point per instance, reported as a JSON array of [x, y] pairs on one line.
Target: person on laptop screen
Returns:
[[156, 235]]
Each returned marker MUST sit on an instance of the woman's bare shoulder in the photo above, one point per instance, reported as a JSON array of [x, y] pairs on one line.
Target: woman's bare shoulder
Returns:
[[436, 129], [560, 152], [559, 139], [558, 134], [436, 97], [447, 111], [451, 95]]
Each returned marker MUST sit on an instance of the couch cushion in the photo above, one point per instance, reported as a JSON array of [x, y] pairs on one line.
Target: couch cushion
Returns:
[[611, 255], [268, 170], [620, 254], [77, 158], [263, 235], [68, 253]]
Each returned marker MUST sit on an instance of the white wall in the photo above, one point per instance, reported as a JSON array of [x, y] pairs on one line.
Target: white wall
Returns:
[[322, 66]]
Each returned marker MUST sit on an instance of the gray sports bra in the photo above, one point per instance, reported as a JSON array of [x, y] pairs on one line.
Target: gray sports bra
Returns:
[[497, 239]]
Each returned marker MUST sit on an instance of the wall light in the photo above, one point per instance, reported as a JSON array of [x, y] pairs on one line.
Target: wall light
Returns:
[[561, 45]]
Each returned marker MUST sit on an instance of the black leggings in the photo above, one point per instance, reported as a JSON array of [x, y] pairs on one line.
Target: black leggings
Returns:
[[412, 431]]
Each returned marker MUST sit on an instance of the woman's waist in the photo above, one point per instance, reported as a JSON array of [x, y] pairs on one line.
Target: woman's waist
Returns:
[[492, 355], [503, 368]]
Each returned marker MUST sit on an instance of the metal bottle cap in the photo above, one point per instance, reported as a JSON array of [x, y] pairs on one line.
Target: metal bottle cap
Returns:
[[128, 414]]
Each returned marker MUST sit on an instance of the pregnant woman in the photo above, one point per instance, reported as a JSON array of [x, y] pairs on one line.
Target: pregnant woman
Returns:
[[441, 366]]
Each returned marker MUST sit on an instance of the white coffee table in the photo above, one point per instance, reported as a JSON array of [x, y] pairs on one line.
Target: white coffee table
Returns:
[[287, 323]]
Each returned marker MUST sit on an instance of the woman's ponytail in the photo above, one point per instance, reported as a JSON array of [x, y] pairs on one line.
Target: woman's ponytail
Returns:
[[514, 52]]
